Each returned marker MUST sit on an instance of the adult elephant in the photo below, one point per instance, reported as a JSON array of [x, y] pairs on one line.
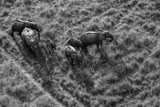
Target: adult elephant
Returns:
[[75, 42], [92, 37], [37, 47], [31, 39], [73, 56], [19, 25], [30, 36]]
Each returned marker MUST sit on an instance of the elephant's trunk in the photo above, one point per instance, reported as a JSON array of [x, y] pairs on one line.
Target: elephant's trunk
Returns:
[[110, 36], [80, 42]]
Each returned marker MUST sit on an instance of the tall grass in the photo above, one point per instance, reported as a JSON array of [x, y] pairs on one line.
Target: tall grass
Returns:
[[124, 73]]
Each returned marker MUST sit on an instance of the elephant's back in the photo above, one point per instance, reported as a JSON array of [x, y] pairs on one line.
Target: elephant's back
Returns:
[[74, 42], [18, 26], [32, 26], [25, 21]]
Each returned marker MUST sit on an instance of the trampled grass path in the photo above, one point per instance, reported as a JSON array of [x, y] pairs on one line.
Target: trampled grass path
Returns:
[[29, 77]]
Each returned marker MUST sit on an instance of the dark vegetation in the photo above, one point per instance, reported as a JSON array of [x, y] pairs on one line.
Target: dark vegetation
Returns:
[[124, 74]]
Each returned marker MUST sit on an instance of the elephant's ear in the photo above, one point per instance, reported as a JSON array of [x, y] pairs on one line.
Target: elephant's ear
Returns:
[[102, 36], [109, 36]]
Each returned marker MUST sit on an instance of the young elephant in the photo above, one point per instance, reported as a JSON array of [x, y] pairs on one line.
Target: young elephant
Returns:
[[92, 37], [73, 56], [41, 50], [51, 46], [19, 25], [74, 42]]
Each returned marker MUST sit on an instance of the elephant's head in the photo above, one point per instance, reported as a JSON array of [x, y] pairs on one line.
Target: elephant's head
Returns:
[[105, 35], [79, 42], [70, 50], [30, 36]]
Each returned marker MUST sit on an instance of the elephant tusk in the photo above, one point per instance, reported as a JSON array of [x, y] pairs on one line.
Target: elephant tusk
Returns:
[[34, 37], [32, 40], [28, 37]]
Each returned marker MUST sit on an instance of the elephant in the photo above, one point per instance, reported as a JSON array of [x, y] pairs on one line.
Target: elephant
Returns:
[[19, 25], [51, 46], [41, 53], [93, 37], [75, 42], [40, 50], [29, 36], [72, 55]]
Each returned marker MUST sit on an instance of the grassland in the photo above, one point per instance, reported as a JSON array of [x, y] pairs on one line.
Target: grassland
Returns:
[[125, 74]]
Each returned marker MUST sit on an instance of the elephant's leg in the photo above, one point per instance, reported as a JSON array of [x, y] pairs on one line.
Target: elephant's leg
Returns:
[[39, 35], [97, 48], [75, 60], [25, 43], [85, 50], [78, 62], [12, 33], [101, 50], [34, 52], [53, 53], [72, 61], [101, 44], [49, 52], [31, 50], [69, 59]]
